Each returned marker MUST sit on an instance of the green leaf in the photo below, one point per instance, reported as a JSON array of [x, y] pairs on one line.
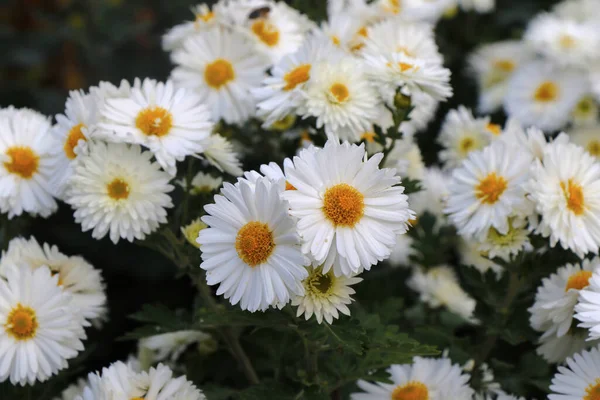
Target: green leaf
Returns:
[[158, 319], [267, 389], [206, 318]]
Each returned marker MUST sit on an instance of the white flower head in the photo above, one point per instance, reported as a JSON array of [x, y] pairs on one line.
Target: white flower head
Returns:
[[205, 18], [587, 137], [220, 153], [579, 378], [588, 308], [168, 346]]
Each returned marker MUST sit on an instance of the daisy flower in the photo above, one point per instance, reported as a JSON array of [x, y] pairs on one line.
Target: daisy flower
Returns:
[[205, 18], [170, 345], [75, 275], [470, 255], [461, 134], [201, 183], [516, 239], [487, 188], [540, 94], [349, 211], [407, 159], [589, 304], [555, 350], [400, 255], [29, 158], [579, 378], [433, 194], [219, 152], [172, 123], [342, 99], [587, 137], [72, 130], [73, 391], [251, 248], [493, 65], [117, 190], [325, 295], [40, 327], [420, 116], [425, 378], [439, 287], [533, 140], [565, 187], [222, 68], [577, 10]]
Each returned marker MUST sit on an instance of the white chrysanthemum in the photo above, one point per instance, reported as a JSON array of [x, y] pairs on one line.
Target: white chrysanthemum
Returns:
[[579, 379], [116, 189], [106, 90], [280, 94], [121, 381], [40, 327], [472, 256], [588, 308], [201, 183], [169, 346], [400, 255], [487, 189], [564, 42], [552, 312], [516, 239], [205, 18], [219, 152], [555, 349], [439, 287], [172, 123], [578, 10], [421, 115], [73, 391], [406, 158], [251, 248], [493, 64], [433, 194], [425, 378], [565, 188], [480, 6], [588, 138], [325, 295], [424, 10], [75, 275], [223, 68], [28, 158], [586, 112], [461, 134], [342, 99], [532, 140], [542, 95], [72, 130], [349, 210]]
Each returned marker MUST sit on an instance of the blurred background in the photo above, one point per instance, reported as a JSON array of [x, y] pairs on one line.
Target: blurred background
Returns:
[[49, 47]]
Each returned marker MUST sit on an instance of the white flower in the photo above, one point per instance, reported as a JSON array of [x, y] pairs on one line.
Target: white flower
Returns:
[[406, 158], [400, 255], [75, 275], [579, 379], [341, 98], [28, 162], [40, 327], [172, 123], [221, 67], [480, 6], [421, 115], [433, 194], [201, 183], [493, 64], [565, 187], [115, 189], [532, 140], [578, 10], [516, 239], [587, 137], [205, 18], [555, 349], [106, 90], [564, 42], [472, 256], [219, 152], [588, 307], [542, 95], [349, 210], [425, 378], [461, 134], [168, 345], [251, 248], [325, 295], [72, 130], [487, 189], [73, 391], [439, 287]]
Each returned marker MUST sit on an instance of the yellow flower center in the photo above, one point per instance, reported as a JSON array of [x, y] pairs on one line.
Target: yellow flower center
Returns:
[[319, 284], [369, 137], [546, 92], [297, 76], [405, 66], [23, 161], [118, 189], [574, 196], [154, 121], [21, 323], [507, 239], [254, 243], [490, 188], [362, 32], [504, 65], [266, 32], [495, 129], [593, 147], [411, 391], [74, 136], [289, 186], [336, 40], [578, 280], [567, 41], [205, 17], [466, 144], [339, 93], [592, 392], [219, 73], [393, 6], [343, 205]]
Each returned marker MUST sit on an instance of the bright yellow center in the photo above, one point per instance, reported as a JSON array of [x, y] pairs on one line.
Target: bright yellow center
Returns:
[[546, 92], [593, 147], [21, 323], [297, 76], [405, 66], [266, 32], [592, 392], [205, 17], [254, 243], [490, 188], [343, 205], [495, 129], [578, 280], [574, 196], [289, 186], [336, 40], [369, 137], [411, 391], [318, 284], [219, 73], [504, 65], [339, 92], [154, 121], [75, 135], [23, 161], [466, 144], [363, 32], [118, 189], [394, 6]]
